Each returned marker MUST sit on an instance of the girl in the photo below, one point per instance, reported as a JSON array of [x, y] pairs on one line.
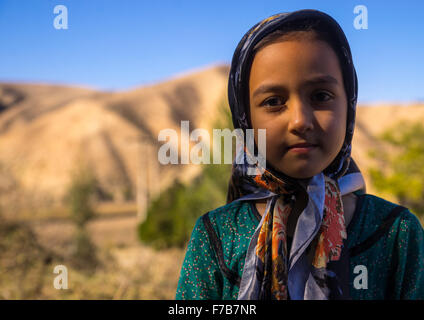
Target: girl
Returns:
[[303, 227]]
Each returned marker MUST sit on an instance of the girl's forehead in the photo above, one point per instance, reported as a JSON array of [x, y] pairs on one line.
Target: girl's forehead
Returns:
[[314, 50], [293, 59]]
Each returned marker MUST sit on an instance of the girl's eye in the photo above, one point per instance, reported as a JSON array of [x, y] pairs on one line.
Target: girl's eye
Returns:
[[273, 102], [321, 96]]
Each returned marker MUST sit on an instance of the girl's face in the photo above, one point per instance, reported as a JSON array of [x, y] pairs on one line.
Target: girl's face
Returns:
[[297, 94]]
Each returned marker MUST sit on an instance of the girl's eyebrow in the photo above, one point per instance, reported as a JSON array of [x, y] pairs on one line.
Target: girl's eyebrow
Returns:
[[278, 87]]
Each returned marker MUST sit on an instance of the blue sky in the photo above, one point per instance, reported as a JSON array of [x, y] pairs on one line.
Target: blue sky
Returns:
[[117, 45]]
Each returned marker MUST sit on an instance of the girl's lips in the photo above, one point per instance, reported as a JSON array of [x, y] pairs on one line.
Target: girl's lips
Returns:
[[302, 148]]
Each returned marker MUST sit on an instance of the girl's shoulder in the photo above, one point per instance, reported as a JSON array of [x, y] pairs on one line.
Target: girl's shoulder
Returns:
[[373, 208], [388, 240], [229, 210], [235, 217], [376, 217]]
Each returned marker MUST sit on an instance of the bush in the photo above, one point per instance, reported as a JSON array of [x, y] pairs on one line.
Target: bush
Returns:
[[171, 217], [79, 199], [24, 263], [79, 196], [402, 171]]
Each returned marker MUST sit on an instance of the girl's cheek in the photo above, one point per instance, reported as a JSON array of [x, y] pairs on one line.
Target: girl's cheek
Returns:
[[331, 122], [332, 131], [274, 149]]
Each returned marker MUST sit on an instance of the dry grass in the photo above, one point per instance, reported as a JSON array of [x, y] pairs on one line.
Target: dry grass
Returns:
[[128, 273], [127, 269]]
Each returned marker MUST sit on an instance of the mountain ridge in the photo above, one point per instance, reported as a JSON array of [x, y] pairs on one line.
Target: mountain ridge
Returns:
[[46, 131]]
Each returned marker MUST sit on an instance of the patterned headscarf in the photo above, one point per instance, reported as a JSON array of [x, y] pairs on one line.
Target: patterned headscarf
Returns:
[[268, 271]]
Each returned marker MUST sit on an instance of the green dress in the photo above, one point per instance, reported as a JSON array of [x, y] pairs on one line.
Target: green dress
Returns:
[[388, 265]]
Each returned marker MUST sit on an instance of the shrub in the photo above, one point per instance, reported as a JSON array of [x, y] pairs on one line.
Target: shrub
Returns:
[[171, 217], [402, 171], [79, 199]]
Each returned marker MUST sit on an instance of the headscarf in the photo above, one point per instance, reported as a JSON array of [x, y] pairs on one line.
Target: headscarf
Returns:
[[269, 273]]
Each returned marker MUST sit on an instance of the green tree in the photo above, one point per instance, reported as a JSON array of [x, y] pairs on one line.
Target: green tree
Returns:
[[401, 172], [171, 217], [79, 199]]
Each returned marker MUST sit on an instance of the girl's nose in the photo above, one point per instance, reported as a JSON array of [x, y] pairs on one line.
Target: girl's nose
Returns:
[[300, 117]]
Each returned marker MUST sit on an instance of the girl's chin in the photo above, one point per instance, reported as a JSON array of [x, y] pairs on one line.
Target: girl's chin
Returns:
[[301, 177], [299, 173], [299, 168]]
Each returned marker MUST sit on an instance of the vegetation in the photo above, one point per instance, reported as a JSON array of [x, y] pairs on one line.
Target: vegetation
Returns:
[[171, 217], [79, 200], [23, 262], [402, 165], [27, 266]]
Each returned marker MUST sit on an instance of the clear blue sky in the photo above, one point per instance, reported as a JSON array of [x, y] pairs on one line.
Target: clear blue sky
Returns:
[[116, 45]]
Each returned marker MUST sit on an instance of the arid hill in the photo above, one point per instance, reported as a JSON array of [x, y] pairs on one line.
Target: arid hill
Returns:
[[47, 131]]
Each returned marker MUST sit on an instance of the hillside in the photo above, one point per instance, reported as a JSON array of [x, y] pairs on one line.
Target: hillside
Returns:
[[48, 131]]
